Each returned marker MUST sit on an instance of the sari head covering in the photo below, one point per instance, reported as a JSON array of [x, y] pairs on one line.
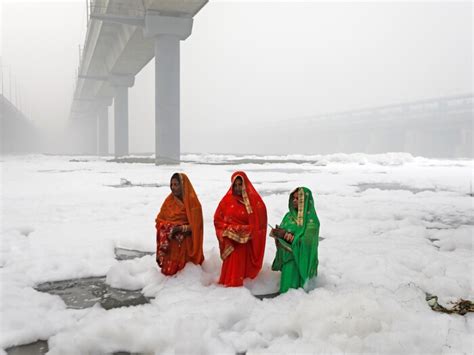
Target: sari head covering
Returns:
[[172, 212], [235, 231], [298, 260]]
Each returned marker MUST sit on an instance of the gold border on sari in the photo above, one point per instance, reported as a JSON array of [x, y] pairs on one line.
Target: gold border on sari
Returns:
[[236, 237], [245, 196], [299, 219], [227, 252]]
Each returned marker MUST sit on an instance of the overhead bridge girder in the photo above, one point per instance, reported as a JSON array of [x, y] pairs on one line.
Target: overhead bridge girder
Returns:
[[122, 37]]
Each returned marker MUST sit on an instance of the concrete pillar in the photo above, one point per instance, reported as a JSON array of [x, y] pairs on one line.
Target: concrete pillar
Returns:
[[103, 130], [167, 99], [167, 32], [121, 121], [84, 129], [121, 83], [92, 131]]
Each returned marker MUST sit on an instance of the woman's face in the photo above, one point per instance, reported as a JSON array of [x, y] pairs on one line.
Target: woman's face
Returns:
[[294, 199], [237, 186], [175, 187]]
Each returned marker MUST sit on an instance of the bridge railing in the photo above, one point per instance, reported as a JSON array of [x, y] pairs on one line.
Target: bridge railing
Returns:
[[118, 7], [406, 111]]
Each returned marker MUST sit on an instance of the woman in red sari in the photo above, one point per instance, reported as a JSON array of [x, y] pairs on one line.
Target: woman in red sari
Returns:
[[179, 227], [241, 227]]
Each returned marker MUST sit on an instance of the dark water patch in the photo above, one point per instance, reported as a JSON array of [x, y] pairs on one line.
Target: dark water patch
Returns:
[[391, 187], [79, 160], [86, 292], [127, 183], [128, 254], [123, 298], [268, 295], [39, 347]]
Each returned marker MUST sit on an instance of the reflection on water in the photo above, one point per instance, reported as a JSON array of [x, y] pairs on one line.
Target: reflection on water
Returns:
[[39, 347], [86, 292]]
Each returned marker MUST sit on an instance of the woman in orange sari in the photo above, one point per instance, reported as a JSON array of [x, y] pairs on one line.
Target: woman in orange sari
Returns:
[[179, 227], [241, 226]]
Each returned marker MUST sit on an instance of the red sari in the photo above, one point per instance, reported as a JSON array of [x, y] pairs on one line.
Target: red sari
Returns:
[[241, 227], [173, 254]]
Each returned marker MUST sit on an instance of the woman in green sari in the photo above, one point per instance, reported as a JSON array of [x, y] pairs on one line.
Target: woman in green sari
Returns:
[[297, 241]]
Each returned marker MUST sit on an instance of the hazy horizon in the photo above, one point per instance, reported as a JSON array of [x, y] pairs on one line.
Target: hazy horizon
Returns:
[[250, 64]]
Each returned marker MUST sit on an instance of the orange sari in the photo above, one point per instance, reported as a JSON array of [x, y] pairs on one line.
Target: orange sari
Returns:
[[173, 254], [241, 226]]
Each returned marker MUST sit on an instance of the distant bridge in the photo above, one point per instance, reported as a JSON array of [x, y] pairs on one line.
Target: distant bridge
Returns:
[[442, 107], [437, 127], [122, 37]]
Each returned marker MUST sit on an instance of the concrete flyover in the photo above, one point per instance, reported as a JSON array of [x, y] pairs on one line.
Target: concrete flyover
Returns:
[[122, 37], [437, 128]]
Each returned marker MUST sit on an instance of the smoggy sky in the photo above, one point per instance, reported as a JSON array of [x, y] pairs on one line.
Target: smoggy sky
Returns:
[[254, 62]]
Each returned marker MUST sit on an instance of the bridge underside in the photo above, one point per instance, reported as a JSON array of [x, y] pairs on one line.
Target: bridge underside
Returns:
[[122, 37]]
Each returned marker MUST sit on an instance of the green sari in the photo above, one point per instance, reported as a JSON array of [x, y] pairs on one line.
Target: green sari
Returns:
[[298, 261]]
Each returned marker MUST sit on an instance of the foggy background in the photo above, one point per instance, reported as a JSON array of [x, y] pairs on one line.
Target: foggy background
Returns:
[[252, 73]]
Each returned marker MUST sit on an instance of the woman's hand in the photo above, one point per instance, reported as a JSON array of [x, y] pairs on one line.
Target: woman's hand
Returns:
[[178, 233], [176, 230], [283, 234], [289, 237], [278, 232]]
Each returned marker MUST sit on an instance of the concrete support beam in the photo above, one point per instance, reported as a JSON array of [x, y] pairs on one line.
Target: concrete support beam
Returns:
[[167, 100], [122, 20], [121, 84], [92, 132], [84, 131], [103, 130], [121, 121], [168, 32], [157, 25]]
